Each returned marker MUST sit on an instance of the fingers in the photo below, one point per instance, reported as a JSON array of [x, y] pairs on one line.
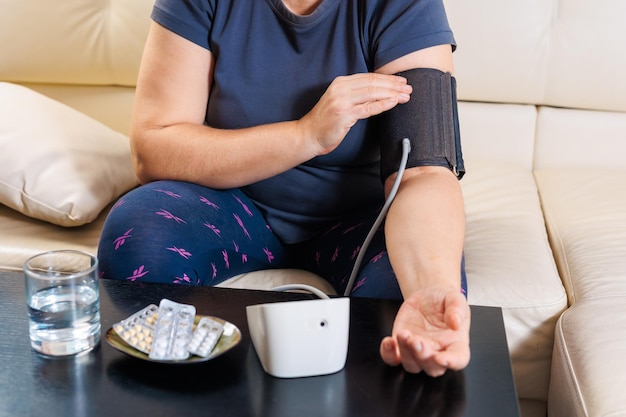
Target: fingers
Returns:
[[455, 357], [372, 82], [411, 352], [347, 100], [418, 356], [370, 94], [457, 311], [371, 87], [389, 351], [425, 340], [373, 94], [373, 108]]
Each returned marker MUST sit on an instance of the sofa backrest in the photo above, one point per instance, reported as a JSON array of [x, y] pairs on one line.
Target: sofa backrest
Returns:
[[528, 54], [564, 59], [561, 53], [93, 42]]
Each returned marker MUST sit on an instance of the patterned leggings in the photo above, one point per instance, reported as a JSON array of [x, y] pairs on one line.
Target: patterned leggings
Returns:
[[178, 232]]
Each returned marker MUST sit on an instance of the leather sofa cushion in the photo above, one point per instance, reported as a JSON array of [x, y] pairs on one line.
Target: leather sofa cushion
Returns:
[[22, 237], [586, 219], [509, 264], [589, 369], [508, 257]]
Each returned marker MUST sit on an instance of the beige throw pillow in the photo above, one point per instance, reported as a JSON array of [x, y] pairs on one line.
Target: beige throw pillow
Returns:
[[57, 164]]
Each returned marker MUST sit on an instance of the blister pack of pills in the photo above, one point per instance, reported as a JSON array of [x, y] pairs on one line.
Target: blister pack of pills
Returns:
[[166, 332], [205, 337], [173, 330], [138, 329]]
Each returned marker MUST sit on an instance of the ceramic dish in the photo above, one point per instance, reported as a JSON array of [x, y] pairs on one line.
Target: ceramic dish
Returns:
[[230, 338]]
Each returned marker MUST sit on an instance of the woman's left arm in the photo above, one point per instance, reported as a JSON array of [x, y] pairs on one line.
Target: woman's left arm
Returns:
[[425, 230]]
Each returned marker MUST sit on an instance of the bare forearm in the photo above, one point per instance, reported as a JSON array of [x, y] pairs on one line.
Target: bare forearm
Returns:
[[219, 158], [425, 231]]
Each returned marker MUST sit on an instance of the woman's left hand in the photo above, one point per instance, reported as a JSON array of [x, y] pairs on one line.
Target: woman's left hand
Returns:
[[430, 333]]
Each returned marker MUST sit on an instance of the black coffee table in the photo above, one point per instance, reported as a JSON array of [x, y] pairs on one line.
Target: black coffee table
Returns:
[[106, 382]]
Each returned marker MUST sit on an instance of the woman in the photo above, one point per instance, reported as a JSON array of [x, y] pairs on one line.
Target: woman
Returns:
[[252, 132]]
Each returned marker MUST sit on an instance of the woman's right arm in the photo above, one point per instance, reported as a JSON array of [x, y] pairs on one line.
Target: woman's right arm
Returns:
[[170, 141], [168, 138]]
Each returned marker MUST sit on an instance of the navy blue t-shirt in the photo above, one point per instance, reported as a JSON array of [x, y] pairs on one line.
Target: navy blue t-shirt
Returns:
[[272, 65]]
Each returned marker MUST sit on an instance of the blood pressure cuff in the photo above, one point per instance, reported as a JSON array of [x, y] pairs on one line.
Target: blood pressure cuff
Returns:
[[429, 120]]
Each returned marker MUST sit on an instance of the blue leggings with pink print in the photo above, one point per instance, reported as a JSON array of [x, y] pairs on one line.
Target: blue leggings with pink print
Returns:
[[178, 232]]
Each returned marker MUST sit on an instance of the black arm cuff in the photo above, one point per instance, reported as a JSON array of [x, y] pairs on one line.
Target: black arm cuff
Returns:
[[429, 120]]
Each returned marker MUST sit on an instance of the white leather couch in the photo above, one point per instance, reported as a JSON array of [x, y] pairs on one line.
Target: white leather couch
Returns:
[[543, 120]]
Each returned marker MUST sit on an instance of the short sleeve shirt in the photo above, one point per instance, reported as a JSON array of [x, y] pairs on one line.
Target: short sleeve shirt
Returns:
[[272, 65]]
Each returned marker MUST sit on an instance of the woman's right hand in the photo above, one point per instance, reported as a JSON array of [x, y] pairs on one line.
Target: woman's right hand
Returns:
[[349, 99]]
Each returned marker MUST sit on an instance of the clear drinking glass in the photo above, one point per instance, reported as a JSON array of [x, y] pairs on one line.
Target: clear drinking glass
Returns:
[[63, 302]]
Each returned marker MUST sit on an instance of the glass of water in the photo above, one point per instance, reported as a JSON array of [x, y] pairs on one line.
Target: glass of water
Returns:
[[63, 302]]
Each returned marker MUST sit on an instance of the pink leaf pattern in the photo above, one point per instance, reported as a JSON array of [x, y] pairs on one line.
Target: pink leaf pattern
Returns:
[[122, 239], [269, 254], [166, 214], [245, 207], [138, 273], [184, 279], [355, 253], [240, 222], [331, 229], [214, 228], [170, 193], [336, 254], [350, 229], [209, 203], [378, 257], [119, 202], [182, 252], [236, 246], [226, 261], [360, 283], [214, 270], [344, 279], [244, 258]]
